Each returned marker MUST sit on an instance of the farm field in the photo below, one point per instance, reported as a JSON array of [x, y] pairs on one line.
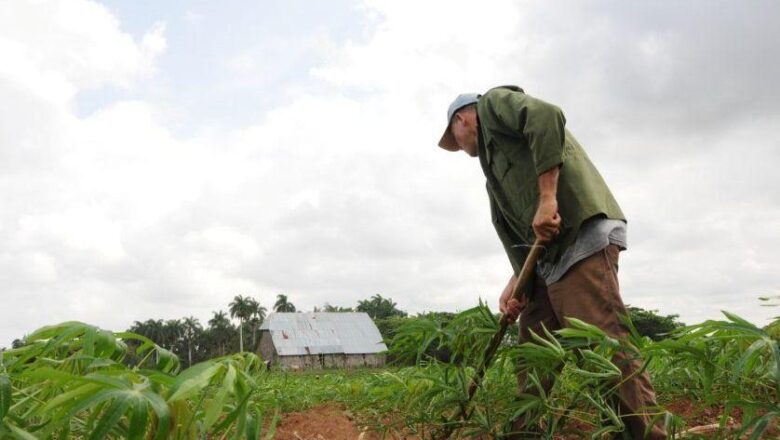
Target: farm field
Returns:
[[74, 380]]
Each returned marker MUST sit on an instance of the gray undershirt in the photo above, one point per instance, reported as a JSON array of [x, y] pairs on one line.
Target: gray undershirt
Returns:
[[594, 235]]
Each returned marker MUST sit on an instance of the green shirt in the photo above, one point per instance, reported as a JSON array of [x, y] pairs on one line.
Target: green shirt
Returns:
[[520, 138]]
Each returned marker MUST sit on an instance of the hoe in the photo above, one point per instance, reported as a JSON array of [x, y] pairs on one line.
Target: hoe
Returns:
[[525, 276]]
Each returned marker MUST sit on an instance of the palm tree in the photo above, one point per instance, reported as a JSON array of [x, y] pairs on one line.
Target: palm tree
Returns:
[[174, 331], [192, 330], [219, 320], [258, 316], [329, 308], [283, 305], [242, 308], [219, 327], [379, 307], [154, 330], [260, 312]]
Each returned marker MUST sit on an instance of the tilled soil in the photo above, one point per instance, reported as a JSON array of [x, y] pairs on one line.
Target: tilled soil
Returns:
[[332, 422], [327, 422], [320, 423]]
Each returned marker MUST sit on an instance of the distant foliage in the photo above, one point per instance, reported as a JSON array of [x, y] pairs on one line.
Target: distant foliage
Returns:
[[283, 304], [773, 329], [335, 309], [378, 307], [649, 323]]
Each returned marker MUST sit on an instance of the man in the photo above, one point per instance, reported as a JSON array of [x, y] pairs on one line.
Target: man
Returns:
[[542, 185]]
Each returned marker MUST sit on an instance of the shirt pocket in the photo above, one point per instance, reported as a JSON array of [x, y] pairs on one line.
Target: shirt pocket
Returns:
[[500, 166]]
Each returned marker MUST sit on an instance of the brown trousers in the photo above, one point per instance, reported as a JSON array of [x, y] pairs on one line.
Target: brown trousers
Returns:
[[589, 291]]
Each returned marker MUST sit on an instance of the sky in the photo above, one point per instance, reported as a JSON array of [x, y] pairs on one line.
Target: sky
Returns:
[[159, 158]]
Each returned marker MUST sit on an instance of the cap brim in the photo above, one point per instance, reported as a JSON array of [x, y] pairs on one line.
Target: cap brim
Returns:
[[447, 141]]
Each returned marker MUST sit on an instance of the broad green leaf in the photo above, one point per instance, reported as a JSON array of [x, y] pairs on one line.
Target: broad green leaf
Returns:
[[138, 420], [215, 409], [110, 417], [64, 414], [191, 385], [530, 402], [600, 361], [162, 412], [253, 424], [74, 394], [5, 395], [774, 347], [19, 433], [596, 332], [748, 358], [47, 373]]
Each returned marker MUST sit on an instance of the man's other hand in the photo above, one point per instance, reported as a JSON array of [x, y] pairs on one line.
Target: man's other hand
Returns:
[[509, 306]]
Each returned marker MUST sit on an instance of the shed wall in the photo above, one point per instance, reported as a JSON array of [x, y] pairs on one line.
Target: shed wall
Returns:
[[325, 361], [266, 348]]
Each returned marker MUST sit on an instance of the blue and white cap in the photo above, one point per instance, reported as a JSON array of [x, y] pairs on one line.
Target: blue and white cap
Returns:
[[447, 140]]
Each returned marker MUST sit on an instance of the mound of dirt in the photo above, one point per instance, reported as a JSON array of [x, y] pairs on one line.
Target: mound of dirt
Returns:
[[328, 422], [320, 423]]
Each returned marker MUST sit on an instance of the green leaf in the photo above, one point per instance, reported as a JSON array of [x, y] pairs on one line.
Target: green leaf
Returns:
[[215, 409], [86, 389], [774, 347], [48, 373], [188, 385], [140, 415], [600, 433], [110, 417], [760, 425], [162, 411], [19, 433], [530, 402], [747, 360], [253, 424], [5, 396], [272, 425], [63, 414], [595, 332]]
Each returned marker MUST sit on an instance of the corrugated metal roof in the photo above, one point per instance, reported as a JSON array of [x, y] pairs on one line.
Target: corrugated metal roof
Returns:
[[326, 333]]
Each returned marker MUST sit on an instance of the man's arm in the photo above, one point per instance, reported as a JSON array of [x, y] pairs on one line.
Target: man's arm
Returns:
[[546, 225]]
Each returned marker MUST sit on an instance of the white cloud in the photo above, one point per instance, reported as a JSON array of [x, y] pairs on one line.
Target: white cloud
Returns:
[[77, 41], [65, 179]]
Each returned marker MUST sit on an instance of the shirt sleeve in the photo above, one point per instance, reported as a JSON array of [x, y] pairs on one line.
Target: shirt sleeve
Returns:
[[542, 124]]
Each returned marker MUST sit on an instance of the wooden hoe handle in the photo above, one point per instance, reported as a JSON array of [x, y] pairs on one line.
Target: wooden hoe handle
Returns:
[[525, 276], [526, 273]]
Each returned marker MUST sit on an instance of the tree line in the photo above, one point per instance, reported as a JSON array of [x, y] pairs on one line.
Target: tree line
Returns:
[[194, 342]]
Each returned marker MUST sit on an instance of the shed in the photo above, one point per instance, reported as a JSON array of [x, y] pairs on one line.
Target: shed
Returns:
[[321, 340]]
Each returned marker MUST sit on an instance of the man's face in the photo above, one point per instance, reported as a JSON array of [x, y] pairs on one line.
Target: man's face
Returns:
[[464, 130]]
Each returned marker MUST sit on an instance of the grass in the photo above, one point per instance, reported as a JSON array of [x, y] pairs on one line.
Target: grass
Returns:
[[74, 380]]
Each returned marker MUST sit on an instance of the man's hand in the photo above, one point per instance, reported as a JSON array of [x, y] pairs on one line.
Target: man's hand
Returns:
[[507, 305], [547, 221]]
